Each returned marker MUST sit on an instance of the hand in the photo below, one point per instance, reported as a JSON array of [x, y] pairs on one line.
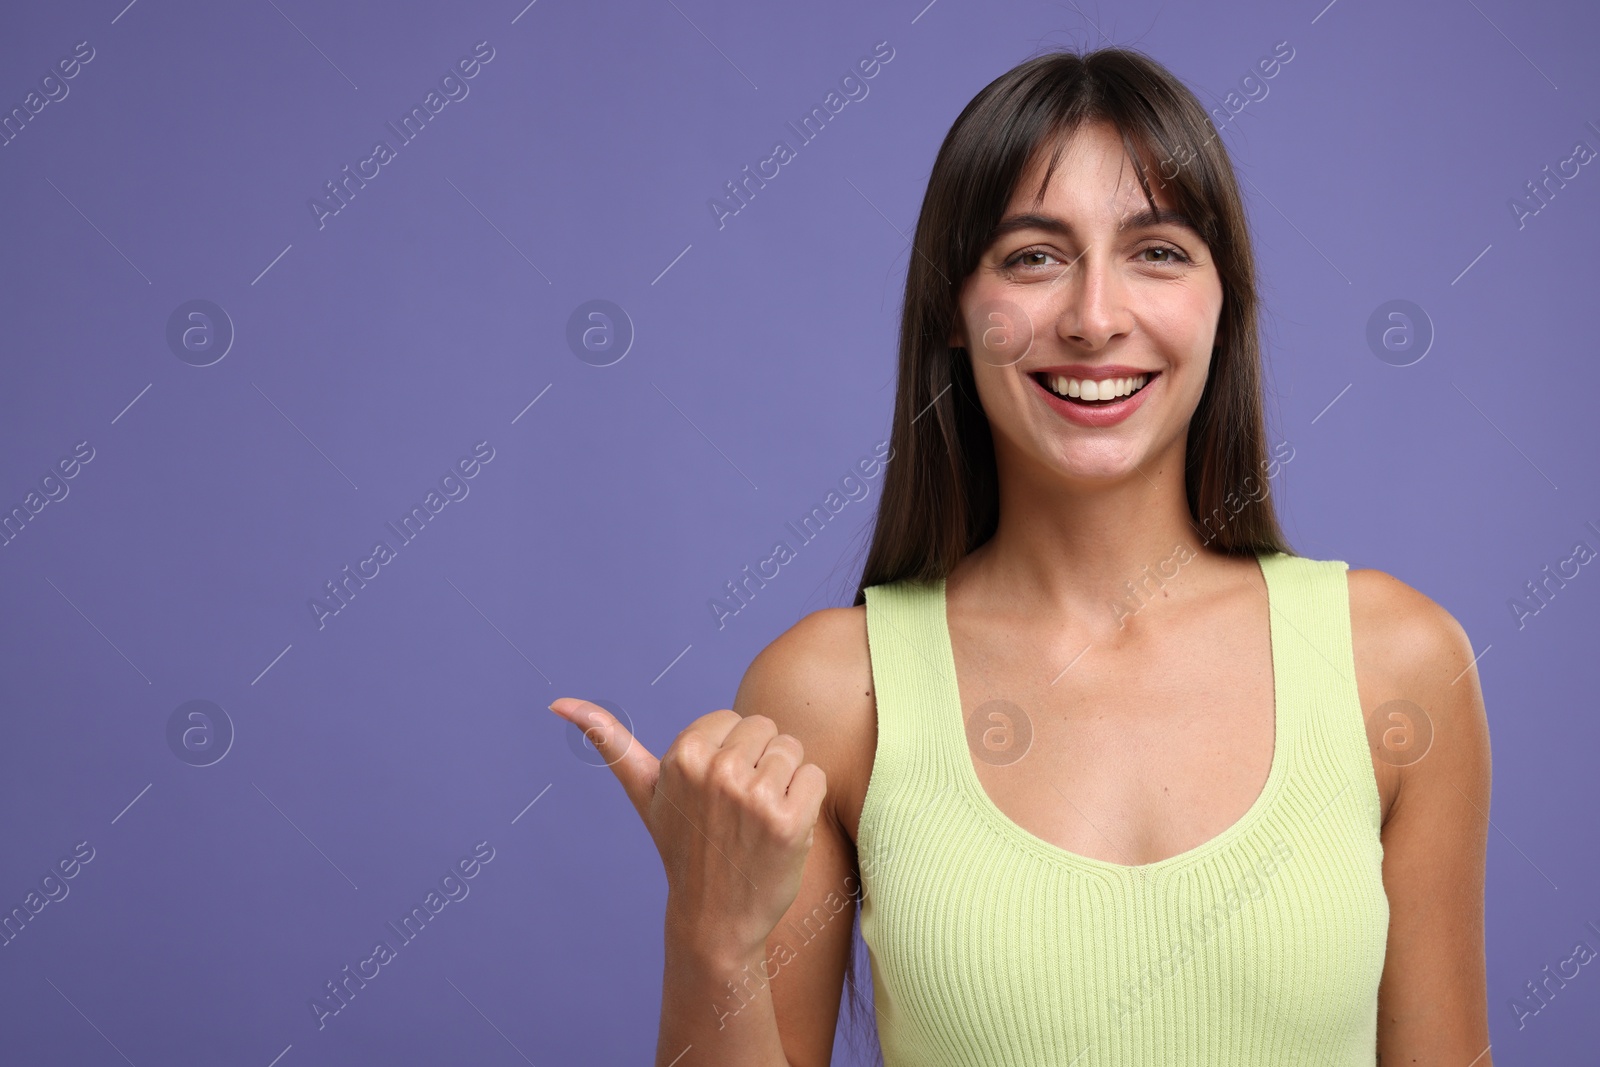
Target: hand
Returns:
[[732, 810]]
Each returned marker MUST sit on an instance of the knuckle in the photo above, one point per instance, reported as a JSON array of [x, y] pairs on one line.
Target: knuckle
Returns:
[[777, 822], [787, 743], [686, 751], [798, 829], [724, 770], [766, 796]]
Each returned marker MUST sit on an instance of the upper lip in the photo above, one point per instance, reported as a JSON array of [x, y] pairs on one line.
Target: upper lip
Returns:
[[1084, 372]]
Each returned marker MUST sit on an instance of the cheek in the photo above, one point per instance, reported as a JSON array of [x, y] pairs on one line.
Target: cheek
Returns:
[[1180, 340], [985, 377], [1186, 326], [1001, 391], [1000, 332]]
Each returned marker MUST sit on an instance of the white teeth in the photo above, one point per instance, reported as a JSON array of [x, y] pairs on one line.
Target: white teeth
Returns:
[[1090, 389]]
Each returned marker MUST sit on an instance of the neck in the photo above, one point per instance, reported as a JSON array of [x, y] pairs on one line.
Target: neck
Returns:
[[1075, 548]]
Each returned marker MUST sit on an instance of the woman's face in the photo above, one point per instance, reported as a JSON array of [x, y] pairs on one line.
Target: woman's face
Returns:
[[1064, 297]]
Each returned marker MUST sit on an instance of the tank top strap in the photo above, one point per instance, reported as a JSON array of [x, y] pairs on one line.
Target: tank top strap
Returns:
[[912, 773], [1314, 650]]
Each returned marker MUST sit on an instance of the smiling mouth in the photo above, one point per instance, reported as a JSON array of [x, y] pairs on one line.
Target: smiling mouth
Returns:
[[1090, 392]]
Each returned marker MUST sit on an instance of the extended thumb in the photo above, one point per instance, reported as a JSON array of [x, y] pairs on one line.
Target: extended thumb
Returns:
[[633, 764]]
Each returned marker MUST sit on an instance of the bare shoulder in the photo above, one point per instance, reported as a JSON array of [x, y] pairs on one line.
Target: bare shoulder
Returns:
[[1408, 621], [1403, 631], [1415, 659], [815, 682]]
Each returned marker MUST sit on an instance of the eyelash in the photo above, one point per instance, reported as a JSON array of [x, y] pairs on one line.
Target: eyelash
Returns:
[[1012, 263]]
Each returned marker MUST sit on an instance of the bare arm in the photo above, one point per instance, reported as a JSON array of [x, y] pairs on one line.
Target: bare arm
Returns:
[[759, 870], [816, 681], [1432, 1001]]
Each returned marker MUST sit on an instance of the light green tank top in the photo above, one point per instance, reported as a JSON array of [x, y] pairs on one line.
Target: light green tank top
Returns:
[[990, 946]]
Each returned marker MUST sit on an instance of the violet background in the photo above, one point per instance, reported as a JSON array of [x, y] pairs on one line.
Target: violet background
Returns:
[[432, 311]]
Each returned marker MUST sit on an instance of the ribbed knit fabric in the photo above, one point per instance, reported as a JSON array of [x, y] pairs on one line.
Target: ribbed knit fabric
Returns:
[[1262, 947]]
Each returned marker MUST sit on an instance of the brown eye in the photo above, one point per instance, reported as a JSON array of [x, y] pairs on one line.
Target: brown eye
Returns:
[[1172, 255], [1029, 254]]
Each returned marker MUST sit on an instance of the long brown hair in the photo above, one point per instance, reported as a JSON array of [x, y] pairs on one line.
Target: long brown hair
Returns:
[[940, 496]]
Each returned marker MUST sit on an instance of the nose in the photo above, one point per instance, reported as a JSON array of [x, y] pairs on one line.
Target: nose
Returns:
[[1092, 302]]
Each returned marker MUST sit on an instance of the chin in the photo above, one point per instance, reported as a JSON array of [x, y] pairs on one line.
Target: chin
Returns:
[[1105, 461]]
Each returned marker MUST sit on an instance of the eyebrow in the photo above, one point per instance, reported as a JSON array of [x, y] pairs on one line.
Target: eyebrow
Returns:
[[1051, 224]]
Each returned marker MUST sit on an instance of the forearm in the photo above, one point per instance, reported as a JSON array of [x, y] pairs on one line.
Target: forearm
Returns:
[[716, 1008]]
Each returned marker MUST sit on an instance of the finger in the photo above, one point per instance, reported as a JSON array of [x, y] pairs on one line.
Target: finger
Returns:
[[713, 727], [725, 730], [775, 769], [749, 738], [807, 789], [629, 760]]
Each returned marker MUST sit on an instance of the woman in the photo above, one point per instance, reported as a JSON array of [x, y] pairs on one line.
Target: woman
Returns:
[[1091, 749]]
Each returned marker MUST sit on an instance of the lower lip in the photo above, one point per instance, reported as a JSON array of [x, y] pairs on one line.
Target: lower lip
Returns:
[[1099, 414]]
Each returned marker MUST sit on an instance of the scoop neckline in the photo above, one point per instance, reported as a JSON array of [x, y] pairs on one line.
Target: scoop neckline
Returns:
[[967, 774]]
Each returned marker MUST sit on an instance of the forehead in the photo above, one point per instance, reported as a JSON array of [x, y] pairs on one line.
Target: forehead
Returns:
[[1086, 172]]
